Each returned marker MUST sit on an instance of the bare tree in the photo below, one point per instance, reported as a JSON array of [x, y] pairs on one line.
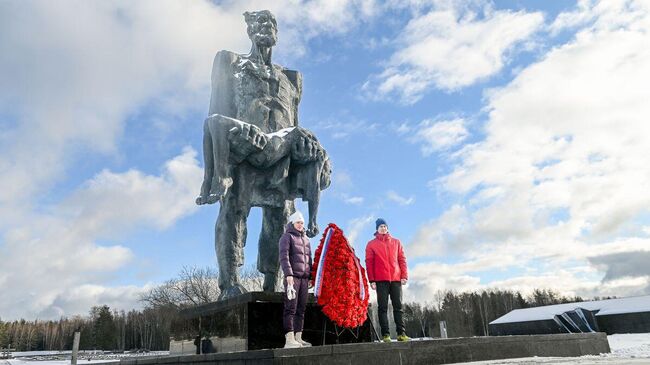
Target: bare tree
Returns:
[[193, 286], [251, 279]]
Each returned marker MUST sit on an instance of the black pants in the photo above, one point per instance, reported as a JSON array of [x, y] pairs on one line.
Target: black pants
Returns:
[[394, 290]]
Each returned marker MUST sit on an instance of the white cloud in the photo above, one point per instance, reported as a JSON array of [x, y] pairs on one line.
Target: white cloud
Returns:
[[401, 200], [603, 15], [342, 179], [354, 200], [435, 238], [73, 73], [451, 47], [562, 174], [49, 258], [344, 125], [356, 227], [342, 185], [155, 200], [77, 85], [80, 299], [75, 80], [307, 19], [403, 128], [439, 135]]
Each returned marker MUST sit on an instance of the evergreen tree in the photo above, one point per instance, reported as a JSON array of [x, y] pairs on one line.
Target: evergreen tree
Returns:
[[104, 329], [3, 335]]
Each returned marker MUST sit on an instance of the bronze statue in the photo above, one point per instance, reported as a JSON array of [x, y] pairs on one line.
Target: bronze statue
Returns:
[[256, 154]]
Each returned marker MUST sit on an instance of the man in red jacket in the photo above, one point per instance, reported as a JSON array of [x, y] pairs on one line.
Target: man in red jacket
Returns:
[[386, 268]]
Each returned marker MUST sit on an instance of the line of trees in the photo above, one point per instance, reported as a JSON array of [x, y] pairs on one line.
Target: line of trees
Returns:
[[102, 329], [469, 313], [466, 314], [106, 329]]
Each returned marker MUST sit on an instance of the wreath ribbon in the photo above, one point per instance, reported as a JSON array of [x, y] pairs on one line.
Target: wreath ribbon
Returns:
[[321, 263]]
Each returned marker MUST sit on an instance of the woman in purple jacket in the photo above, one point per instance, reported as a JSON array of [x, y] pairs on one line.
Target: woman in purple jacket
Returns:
[[295, 260]]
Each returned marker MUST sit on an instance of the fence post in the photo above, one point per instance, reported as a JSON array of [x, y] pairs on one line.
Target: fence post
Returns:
[[75, 348], [443, 329]]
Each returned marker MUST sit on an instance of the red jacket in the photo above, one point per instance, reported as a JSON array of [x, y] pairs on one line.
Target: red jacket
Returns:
[[385, 259]]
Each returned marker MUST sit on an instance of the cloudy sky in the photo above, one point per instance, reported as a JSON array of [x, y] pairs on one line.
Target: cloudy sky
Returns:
[[505, 142]]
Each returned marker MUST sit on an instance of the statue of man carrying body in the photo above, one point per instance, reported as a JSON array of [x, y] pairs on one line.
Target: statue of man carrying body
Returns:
[[256, 154]]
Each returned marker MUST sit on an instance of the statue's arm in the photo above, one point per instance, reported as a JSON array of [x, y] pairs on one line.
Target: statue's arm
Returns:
[[295, 78], [222, 98]]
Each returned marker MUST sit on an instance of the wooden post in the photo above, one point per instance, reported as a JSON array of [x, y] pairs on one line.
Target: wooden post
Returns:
[[75, 348], [6, 353], [200, 337], [443, 329]]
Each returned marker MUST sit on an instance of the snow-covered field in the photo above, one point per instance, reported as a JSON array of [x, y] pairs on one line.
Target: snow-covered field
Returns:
[[626, 349], [631, 348], [63, 357], [49, 362]]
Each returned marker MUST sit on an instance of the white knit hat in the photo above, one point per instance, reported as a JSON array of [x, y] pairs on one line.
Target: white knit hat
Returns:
[[296, 217]]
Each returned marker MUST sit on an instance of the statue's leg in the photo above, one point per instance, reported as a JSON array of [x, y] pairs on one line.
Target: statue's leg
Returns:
[[218, 128], [273, 223], [312, 227], [230, 238], [208, 158]]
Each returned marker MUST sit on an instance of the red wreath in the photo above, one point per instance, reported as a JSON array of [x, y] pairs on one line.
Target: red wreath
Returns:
[[340, 293]]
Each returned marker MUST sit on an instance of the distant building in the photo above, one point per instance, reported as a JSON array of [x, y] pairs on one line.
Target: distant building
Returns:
[[623, 315]]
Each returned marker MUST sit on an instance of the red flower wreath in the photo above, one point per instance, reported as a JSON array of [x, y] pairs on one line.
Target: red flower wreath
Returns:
[[340, 291]]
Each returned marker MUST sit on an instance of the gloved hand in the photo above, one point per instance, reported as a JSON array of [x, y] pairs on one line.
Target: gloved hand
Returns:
[[291, 293]]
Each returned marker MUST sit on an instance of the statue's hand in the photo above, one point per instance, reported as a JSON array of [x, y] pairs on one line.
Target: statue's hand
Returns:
[[306, 149], [312, 230], [247, 139]]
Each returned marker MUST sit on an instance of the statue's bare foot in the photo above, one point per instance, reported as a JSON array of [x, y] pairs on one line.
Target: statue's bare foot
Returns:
[[200, 200], [218, 190], [312, 230], [232, 292], [212, 198], [203, 196], [270, 280]]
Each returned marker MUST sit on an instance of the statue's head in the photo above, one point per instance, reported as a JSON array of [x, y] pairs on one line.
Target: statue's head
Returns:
[[262, 28]]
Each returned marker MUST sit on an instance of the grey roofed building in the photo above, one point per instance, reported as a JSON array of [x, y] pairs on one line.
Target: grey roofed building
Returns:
[[622, 315]]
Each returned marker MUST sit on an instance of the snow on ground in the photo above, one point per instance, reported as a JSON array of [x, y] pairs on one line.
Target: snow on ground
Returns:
[[585, 360], [63, 357], [632, 348], [50, 362], [630, 345]]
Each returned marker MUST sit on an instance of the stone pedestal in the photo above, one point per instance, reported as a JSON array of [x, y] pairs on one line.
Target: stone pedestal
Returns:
[[432, 351], [253, 321]]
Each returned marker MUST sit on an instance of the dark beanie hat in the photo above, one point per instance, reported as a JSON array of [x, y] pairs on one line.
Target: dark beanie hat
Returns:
[[379, 222]]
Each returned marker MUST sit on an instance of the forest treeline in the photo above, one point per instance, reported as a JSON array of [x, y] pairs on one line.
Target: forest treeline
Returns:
[[466, 314]]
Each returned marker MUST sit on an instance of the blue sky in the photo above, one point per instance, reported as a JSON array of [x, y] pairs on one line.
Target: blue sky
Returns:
[[504, 142]]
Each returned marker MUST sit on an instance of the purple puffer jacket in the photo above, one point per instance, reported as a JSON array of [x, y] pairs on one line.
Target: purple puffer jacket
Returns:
[[295, 253]]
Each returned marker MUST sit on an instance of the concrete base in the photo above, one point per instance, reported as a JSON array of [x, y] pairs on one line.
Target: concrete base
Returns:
[[253, 321], [182, 347], [436, 351]]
